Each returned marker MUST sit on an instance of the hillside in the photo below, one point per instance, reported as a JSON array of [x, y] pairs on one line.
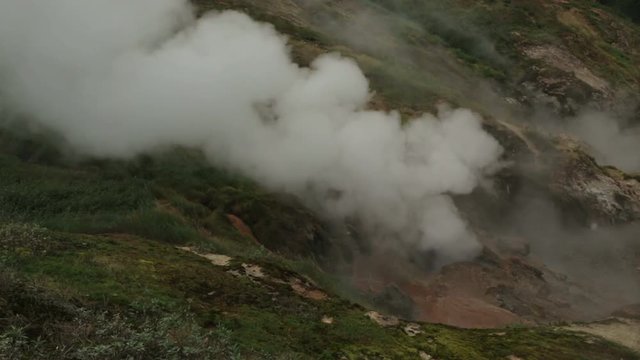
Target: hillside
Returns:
[[170, 253]]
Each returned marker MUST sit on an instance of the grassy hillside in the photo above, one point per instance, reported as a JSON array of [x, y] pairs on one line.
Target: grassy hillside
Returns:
[[476, 53], [91, 269]]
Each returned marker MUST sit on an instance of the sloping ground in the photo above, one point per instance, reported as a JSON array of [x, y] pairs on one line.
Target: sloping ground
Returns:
[[620, 330], [143, 278], [174, 254], [502, 59], [560, 54], [86, 294]]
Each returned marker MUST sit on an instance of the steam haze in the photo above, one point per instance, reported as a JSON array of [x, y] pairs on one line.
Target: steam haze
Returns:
[[613, 142], [121, 77], [602, 259]]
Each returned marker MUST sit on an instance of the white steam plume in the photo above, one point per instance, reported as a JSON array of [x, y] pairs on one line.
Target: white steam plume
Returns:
[[613, 143], [119, 77]]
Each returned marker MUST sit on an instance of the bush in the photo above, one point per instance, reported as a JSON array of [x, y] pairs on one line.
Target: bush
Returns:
[[31, 237], [36, 323], [103, 336], [173, 336], [161, 226]]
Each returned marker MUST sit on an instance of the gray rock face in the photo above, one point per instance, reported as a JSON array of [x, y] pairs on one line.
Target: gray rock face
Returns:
[[602, 195]]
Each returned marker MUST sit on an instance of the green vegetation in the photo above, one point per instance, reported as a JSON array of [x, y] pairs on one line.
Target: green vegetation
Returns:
[[630, 8], [100, 296], [67, 331], [454, 26], [89, 269]]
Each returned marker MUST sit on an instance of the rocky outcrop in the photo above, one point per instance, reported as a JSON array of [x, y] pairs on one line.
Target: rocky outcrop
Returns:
[[599, 195], [561, 59]]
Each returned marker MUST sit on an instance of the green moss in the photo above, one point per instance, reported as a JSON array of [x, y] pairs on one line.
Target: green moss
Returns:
[[31, 191], [159, 225], [266, 315]]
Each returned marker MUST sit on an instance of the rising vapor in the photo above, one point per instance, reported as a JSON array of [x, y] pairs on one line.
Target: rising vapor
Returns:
[[121, 77]]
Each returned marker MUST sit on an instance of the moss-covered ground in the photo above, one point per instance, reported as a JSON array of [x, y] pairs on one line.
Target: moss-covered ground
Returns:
[[92, 244]]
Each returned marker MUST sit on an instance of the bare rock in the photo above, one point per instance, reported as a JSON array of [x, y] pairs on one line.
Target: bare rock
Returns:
[[215, 259], [327, 320], [383, 320], [412, 330], [425, 356], [307, 290], [604, 195], [253, 271]]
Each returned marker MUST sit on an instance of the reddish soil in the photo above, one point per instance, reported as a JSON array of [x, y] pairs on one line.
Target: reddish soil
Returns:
[[240, 225], [496, 290]]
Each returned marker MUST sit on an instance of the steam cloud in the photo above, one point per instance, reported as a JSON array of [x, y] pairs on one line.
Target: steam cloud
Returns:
[[614, 143], [120, 77]]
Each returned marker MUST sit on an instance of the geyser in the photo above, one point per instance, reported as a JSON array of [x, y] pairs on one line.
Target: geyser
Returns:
[[121, 77]]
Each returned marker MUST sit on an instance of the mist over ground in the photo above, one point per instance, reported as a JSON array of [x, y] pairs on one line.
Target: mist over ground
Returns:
[[613, 140], [601, 259], [117, 78]]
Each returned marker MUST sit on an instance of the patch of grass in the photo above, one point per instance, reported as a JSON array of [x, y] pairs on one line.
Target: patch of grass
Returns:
[[79, 223], [122, 275], [99, 269], [454, 25], [40, 324], [405, 87], [158, 225], [38, 192], [27, 237]]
